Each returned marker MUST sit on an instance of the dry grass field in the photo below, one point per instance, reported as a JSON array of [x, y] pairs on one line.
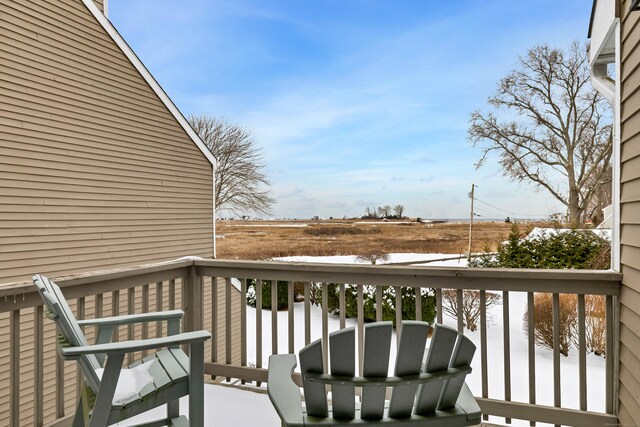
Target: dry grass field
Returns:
[[264, 240]]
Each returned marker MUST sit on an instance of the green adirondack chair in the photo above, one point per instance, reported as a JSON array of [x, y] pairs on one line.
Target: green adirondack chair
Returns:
[[431, 395], [168, 374]]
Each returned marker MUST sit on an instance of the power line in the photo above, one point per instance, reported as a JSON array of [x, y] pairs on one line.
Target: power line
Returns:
[[507, 211]]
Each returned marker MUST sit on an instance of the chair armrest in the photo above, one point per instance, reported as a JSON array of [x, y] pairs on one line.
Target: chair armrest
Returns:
[[133, 318], [283, 392], [139, 345]]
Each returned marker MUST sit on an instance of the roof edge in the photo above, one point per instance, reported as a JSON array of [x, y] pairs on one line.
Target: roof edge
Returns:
[[151, 81]]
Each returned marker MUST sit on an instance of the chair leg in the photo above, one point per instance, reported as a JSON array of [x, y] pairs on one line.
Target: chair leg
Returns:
[[196, 385], [78, 418]]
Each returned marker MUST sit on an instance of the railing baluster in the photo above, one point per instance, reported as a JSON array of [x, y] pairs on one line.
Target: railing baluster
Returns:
[[99, 305], [398, 292], [439, 305], [38, 362], [258, 288], [145, 309], [460, 304], [159, 306], [274, 316], [343, 306], [307, 314], [507, 349], [556, 351], [172, 294], [115, 311], [379, 291], [291, 316], [80, 310], [243, 322], [483, 347], [418, 292], [531, 349], [609, 354], [214, 321], [582, 352], [360, 306], [325, 325], [14, 368], [131, 301], [227, 319]]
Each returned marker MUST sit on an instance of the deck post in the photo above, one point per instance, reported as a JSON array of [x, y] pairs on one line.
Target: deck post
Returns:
[[192, 301]]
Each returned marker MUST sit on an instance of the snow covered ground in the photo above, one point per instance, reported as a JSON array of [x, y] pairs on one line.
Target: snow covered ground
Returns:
[[232, 407]]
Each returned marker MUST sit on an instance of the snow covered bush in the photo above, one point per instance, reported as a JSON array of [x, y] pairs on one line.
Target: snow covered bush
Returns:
[[580, 249]]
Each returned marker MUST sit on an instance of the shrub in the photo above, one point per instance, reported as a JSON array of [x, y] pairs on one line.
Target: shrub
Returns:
[[595, 324], [470, 305], [388, 302], [283, 294], [543, 321]]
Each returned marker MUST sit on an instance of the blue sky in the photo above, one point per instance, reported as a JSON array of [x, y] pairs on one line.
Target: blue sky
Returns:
[[355, 103]]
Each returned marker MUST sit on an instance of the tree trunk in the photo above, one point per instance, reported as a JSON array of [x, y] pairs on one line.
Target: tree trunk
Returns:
[[575, 213]]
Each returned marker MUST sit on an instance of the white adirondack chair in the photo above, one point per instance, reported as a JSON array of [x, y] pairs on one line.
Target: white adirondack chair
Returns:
[[431, 395], [171, 372]]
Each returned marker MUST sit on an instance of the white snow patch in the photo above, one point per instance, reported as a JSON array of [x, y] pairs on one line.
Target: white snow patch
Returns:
[[130, 381], [393, 258]]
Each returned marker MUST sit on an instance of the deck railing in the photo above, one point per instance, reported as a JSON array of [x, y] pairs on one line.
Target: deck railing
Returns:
[[42, 389]]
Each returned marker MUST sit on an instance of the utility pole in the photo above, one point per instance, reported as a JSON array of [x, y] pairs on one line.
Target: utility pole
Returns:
[[472, 196]]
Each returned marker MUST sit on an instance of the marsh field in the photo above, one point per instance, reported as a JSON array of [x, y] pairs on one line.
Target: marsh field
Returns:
[[259, 240]]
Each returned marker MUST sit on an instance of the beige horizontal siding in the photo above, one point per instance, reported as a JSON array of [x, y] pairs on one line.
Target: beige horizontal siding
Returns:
[[90, 158], [629, 363]]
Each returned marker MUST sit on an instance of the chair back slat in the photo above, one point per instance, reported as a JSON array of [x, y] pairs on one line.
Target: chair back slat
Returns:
[[413, 337], [442, 342], [315, 395], [342, 354], [377, 343], [462, 357], [68, 326]]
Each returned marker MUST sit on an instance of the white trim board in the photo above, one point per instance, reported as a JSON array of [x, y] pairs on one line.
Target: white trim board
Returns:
[[151, 81]]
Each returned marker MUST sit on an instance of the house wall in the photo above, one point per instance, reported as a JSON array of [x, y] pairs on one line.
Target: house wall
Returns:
[[629, 384], [95, 172]]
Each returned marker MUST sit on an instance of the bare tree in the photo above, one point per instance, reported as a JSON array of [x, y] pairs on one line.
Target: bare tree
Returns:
[[398, 210], [384, 211], [470, 305], [240, 180], [562, 133], [373, 256]]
